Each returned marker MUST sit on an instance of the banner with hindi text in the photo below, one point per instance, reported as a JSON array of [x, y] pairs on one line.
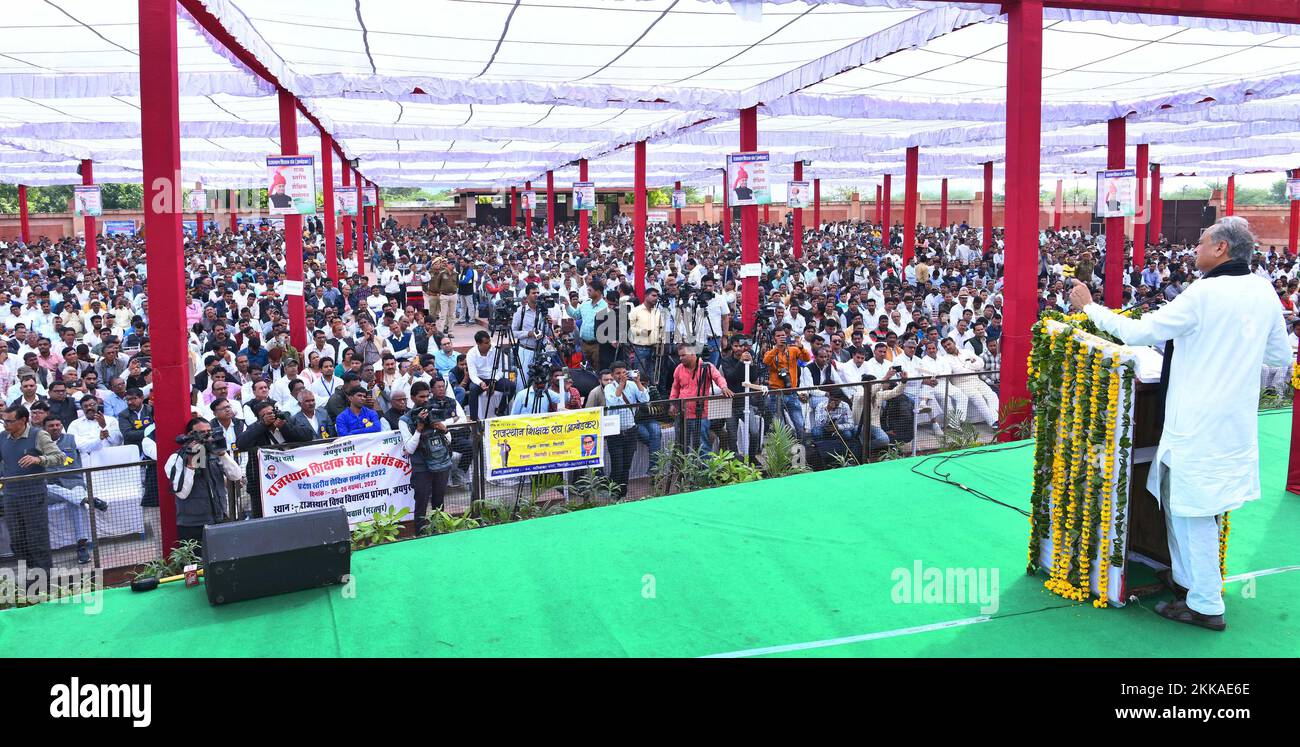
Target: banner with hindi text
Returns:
[[366, 474], [549, 442]]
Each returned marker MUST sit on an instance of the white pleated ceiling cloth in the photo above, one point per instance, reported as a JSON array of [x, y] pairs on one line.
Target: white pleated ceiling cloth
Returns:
[[489, 93]]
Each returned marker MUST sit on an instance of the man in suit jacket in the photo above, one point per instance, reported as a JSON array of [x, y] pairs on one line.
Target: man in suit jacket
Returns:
[[135, 418], [310, 424]]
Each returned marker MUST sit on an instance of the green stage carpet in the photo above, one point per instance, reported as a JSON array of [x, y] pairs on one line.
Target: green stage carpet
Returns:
[[794, 567]]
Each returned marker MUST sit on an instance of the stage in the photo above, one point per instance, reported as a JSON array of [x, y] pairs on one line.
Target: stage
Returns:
[[802, 566]]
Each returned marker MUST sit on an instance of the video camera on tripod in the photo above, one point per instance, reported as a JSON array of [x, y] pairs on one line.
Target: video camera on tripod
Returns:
[[689, 295], [504, 312]]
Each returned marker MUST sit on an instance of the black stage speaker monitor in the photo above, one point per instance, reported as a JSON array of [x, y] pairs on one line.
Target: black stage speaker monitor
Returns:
[[278, 554]]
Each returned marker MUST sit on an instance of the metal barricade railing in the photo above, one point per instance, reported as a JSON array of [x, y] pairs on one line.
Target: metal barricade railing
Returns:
[[768, 431], [104, 518]]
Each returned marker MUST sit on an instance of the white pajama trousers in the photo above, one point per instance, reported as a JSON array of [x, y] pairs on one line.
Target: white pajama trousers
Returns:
[[1194, 555]]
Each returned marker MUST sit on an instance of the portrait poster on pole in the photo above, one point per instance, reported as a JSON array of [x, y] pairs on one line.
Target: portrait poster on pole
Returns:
[[584, 196], [530, 200], [291, 184], [747, 179], [798, 195], [679, 199], [86, 200], [1293, 189], [368, 198], [1116, 193], [346, 202], [198, 200]]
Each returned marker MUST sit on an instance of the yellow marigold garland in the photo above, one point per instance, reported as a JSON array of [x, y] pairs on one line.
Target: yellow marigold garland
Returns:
[[1084, 509], [1060, 464], [1224, 528], [1107, 472]]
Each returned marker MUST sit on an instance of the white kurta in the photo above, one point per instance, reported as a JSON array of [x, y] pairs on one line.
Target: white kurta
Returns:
[[1224, 328]]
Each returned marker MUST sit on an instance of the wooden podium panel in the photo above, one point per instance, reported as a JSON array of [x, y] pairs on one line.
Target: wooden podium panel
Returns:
[[1147, 534]]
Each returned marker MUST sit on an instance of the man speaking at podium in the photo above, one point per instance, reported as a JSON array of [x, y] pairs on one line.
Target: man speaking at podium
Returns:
[[1221, 330]]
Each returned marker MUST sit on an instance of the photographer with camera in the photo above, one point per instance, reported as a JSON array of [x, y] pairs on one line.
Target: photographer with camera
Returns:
[[527, 326], [198, 472], [782, 363], [537, 397], [426, 441], [270, 428], [647, 326]]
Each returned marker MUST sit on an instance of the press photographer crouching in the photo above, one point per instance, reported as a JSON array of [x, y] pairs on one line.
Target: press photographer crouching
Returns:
[[198, 472], [426, 441]]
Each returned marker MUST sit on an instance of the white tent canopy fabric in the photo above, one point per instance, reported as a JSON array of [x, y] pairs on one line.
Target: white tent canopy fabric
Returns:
[[491, 93]]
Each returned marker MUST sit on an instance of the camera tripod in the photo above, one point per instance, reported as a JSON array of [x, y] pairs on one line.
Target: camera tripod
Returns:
[[505, 365]]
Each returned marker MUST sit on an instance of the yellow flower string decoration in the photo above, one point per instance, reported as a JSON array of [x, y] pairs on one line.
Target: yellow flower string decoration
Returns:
[[1107, 476], [1060, 465], [1224, 528]]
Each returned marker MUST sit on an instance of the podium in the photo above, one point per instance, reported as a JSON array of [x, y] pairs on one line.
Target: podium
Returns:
[[1098, 418]]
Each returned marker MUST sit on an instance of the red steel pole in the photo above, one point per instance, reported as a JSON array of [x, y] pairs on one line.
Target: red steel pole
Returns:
[[347, 219], [678, 211], [817, 204], [327, 183], [528, 214], [360, 244], [943, 202], [583, 215], [92, 247], [1231, 197], [887, 201], [1114, 226], [1143, 219], [988, 208], [1157, 205], [297, 307], [198, 225], [878, 199], [234, 215], [160, 142], [1294, 223], [1024, 137], [23, 228], [550, 204], [513, 204], [1057, 212], [726, 210], [749, 226], [798, 215], [909, 204], [638, 220]]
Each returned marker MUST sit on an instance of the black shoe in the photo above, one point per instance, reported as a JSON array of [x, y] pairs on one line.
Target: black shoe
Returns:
[[1180, 612], [101, 504]]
